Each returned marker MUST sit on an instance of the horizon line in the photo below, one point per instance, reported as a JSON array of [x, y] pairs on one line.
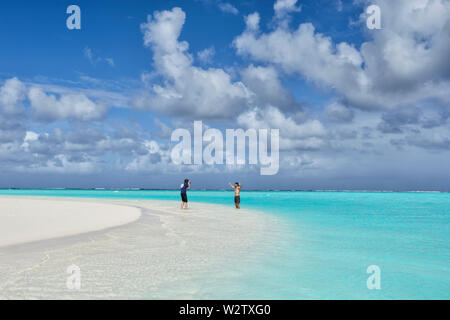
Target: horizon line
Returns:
[[225, 189]]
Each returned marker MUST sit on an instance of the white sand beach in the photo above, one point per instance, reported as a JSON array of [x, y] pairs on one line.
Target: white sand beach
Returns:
[[126, 249], [25, 220]]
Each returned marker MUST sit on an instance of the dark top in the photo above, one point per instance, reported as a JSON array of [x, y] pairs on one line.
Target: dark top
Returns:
[[184, 187]]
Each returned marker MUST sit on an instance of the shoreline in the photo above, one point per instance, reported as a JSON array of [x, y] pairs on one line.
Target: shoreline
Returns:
[[226, 189], [167, 253]]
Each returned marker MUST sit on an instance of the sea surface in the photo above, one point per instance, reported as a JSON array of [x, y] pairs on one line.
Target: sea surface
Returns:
[[332, 239]]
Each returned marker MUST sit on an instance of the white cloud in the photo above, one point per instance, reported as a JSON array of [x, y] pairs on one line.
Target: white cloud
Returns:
[[94, 59], [110, 61], [29, 136], [402, 70], [252, 21], [70, 106], [339, 113], [223, 6], [165, 130], [405, 62], [53, 102], [267, 88], [228, 8], [293, 135], [61, 164], [305, 52], [89, 55], [339, 5], [206, 56], [12, 93], [283, 7], [187, 90]]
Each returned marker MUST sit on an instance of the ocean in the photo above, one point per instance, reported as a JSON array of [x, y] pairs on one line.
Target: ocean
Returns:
[[331, 240]]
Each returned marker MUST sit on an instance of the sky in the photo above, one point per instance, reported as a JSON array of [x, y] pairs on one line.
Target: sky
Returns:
[[356, 108]]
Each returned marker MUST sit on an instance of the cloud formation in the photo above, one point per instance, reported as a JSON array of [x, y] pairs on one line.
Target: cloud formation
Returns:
[[187, 90], [12, 93], [284, 7], [72, 106], [344, 110], [95, 59], [404, 63], [228, 8], [15, 97]]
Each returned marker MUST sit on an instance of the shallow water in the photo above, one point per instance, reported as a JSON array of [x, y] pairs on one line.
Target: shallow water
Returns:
[[333, 238]]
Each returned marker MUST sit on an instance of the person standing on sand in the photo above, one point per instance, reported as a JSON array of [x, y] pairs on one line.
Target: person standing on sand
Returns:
[[237, 198], [184, 187]]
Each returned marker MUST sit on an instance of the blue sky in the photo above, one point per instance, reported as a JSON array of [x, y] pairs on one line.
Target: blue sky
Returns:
[[37, 42], [356, 108]]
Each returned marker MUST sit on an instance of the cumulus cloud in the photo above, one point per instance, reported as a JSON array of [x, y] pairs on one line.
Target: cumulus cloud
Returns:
[[392, 122], [337, 112], [417, 117], [283, 7], [206, 56], [415, 45], [404, 63], [293, 135], [83, 150], [437, 141], [164, 130], [148, 161], [70, 106], [400, 75], [306, 52], [11, 132], [252, 21], [62, 165], [29, 136], [433, 140], [12, 93], [267, 90], [33, 152], [187, 90], [17, 97]]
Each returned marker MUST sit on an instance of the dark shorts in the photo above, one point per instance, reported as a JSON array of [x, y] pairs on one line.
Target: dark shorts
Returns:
[[237, 199], [184, 197]]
